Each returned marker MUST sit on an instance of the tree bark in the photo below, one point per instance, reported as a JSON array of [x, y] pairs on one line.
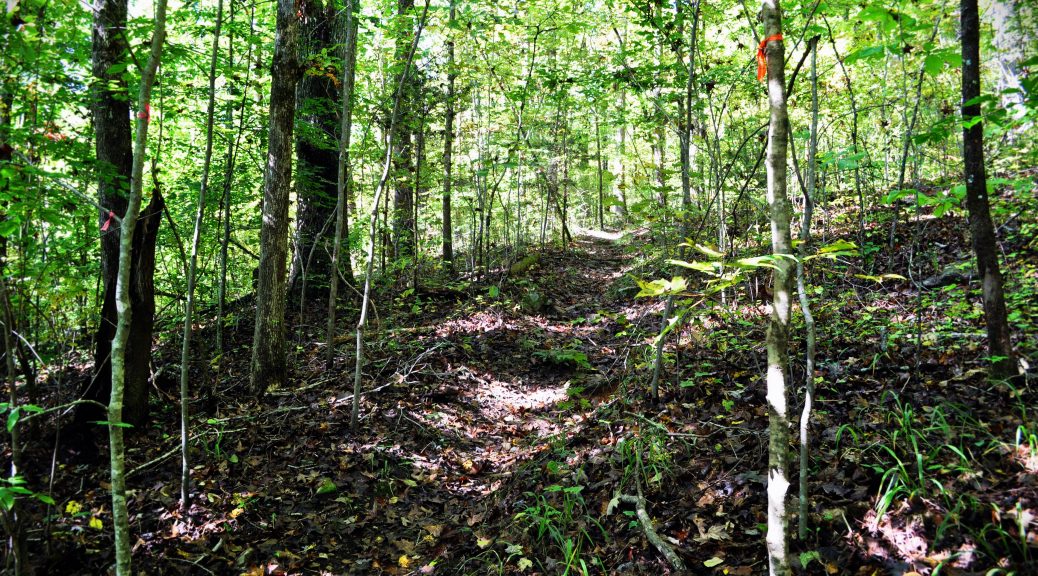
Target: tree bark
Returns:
[[778, 327], [111, 113], [269, 367], [981, 228], [317, 154]]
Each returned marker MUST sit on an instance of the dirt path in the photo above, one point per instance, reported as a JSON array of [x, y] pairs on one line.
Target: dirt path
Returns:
[[472, 400]]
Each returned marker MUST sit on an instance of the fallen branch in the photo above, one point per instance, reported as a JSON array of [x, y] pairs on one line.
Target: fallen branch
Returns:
[[650, 532]]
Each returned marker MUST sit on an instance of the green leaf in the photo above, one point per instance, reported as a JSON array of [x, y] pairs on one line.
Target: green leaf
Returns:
[[807, 557], [709, 251], [868, 53], [109, 423], [12, 418], [326, 486], [766, 261], [897, 194], [834, 250], [933, 64], [705, 267], [881, 278], [9, 227], [662, 287], [715, 561], [875, 13]]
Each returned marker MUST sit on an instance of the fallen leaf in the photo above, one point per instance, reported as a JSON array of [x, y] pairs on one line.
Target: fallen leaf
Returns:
[[434, 529], [715, 532]]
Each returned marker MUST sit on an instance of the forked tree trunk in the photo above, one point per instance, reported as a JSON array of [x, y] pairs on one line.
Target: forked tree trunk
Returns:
[[111, 113], [778, 327], [124, 306], [982, 230], [269, 367]]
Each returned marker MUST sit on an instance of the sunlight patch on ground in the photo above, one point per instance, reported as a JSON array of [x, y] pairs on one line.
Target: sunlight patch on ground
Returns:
[[598, 234], [501, 397]]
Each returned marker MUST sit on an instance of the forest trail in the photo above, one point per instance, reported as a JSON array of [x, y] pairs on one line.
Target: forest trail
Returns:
[[467, 409]]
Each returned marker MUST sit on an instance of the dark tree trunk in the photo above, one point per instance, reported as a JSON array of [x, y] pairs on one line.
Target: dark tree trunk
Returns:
[[111, 114], [981, 227], [269, 367], [403, 150], [317, 155], [448, 144]]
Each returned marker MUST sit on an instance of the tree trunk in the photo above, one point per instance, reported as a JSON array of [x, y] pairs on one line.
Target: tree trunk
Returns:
[[111, 112], [344, 176], [126, 311], [12, 516], [685, 136], [403, 199], [981, 228], [192, 269], [805, 305], [778, 327], [316, 155], [448, 142], [369, 264], [269, 367]]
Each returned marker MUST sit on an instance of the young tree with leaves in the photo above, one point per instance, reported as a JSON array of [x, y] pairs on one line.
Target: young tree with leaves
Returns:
[[192, 269]]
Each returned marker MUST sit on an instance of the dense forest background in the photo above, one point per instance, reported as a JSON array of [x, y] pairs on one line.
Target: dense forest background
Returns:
[[555, 287]]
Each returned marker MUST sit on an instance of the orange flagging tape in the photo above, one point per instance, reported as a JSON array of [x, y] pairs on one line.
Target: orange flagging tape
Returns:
[[762, 57]]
